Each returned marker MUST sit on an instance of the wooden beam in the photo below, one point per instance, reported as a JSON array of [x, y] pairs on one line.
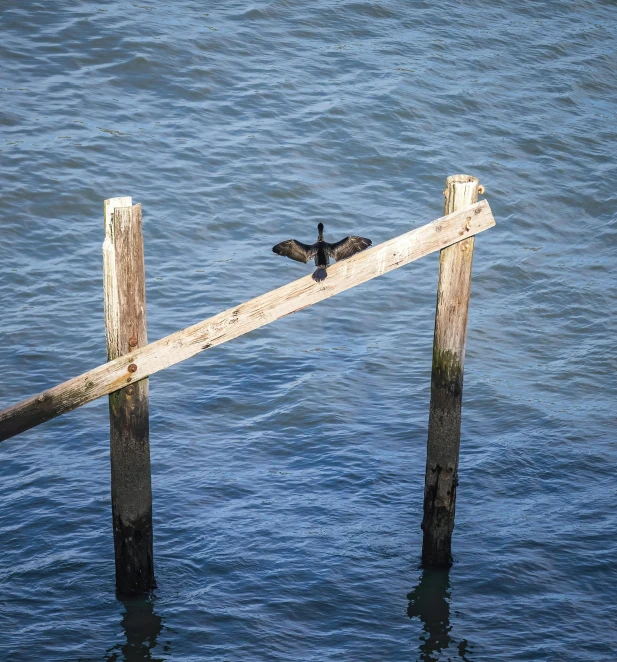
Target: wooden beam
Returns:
[[241, 319], [124, 281], [444, 428]]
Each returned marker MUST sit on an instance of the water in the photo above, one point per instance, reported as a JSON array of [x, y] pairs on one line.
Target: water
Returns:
[[288, 465]]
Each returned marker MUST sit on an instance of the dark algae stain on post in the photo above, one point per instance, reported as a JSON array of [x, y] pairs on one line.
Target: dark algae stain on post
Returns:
[[288, 465], [447, 372], [442, 458]]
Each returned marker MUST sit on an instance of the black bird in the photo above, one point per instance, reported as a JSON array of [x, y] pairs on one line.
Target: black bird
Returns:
[[322, 251]]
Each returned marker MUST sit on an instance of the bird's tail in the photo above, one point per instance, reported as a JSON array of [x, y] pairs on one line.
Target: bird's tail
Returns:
[[320, 274]]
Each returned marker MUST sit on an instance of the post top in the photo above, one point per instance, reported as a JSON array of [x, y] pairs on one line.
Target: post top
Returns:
[[461, 179]]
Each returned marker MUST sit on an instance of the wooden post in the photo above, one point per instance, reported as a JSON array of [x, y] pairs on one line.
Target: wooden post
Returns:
[[125, 326], [444, 428]]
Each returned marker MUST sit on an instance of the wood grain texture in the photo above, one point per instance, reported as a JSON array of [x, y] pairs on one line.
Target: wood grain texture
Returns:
[[110, 285], [131, 490], [141, 363], [444, 432]]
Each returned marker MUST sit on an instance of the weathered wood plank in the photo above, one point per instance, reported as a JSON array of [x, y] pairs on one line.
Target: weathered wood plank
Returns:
[[241, 319], [125, 325], [444, 430]]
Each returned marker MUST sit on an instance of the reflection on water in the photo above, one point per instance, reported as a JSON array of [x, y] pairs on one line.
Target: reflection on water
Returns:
[[430, 602], [141, 626]]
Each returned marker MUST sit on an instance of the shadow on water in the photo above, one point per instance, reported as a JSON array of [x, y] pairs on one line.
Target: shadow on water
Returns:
[[430, 602], [142, 626]]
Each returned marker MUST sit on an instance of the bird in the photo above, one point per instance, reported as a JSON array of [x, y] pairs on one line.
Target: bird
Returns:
[[322, 251]]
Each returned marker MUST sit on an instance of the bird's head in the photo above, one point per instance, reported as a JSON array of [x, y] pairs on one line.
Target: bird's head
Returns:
[[320, 229]]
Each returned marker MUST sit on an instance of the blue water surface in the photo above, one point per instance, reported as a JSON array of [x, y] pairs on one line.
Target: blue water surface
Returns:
[[288, 464]]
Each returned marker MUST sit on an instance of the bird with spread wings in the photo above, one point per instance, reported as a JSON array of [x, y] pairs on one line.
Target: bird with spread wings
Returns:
[[322, 251]]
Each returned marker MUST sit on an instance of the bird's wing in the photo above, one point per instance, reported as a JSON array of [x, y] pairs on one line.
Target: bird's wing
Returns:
[[347, 247], [295, 250]]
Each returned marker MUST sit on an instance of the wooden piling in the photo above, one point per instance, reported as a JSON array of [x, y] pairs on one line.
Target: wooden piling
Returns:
[[125, 326], [444, 429]]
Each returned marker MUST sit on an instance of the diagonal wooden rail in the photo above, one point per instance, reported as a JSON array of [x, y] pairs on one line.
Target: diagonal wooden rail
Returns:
[[241, 319]]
